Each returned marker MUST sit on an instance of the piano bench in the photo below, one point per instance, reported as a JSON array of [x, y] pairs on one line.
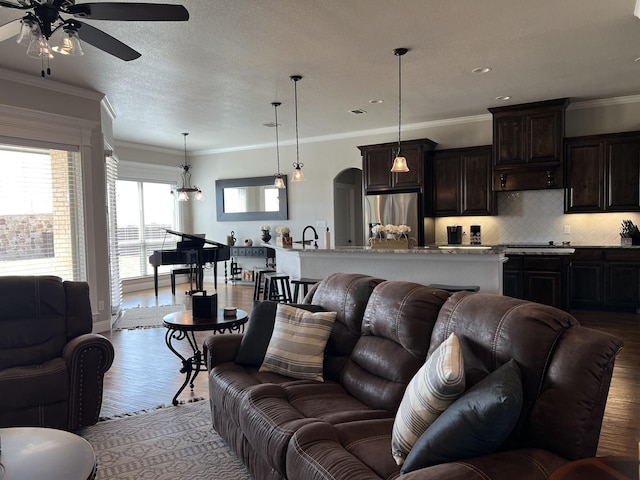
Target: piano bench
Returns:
[[174, 272]]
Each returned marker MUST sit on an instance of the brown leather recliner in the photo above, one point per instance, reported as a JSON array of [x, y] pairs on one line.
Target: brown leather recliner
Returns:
[[51, 365]]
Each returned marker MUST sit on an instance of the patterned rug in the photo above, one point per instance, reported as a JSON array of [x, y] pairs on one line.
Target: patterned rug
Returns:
[[165, 444], [144, 317]]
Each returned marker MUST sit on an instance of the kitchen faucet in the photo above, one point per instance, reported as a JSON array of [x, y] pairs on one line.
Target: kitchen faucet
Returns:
[[315, 234]]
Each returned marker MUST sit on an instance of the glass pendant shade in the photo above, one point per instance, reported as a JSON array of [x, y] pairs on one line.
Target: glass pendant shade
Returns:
[[278, 182], [183, 197], [29, 30], [400, 165], [298, 176], [39, 48], [70, 44]]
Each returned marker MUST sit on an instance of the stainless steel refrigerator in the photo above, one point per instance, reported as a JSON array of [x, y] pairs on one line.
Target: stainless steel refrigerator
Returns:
[[394, 209]]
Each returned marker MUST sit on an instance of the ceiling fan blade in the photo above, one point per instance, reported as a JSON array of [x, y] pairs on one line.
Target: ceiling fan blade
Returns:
[[105, 42], [10, 29], [4, 3], [129, 11]]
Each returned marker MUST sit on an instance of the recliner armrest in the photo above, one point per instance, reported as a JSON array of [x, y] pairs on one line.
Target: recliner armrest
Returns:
[[88, 357]]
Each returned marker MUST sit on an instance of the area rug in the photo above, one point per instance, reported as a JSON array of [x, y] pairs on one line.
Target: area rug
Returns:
[[144, 317], [165, 444]]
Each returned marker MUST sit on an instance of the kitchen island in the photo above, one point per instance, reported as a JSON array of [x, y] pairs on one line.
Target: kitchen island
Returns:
[[481, 266]]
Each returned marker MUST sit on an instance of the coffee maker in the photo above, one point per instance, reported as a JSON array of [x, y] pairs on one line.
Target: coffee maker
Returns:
[[454, 234]]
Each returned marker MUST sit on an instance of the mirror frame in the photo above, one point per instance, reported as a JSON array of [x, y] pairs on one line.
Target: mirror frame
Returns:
[[222, 216]]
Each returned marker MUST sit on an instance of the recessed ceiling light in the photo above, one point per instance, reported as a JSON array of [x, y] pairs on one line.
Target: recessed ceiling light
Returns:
[[481, 70], [270, 124], [358, 111], [377, 100], [503, 97], [637, 59]]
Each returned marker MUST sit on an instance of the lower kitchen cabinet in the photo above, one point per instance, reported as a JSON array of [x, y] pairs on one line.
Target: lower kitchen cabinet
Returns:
[[605, 279], [539, 278]]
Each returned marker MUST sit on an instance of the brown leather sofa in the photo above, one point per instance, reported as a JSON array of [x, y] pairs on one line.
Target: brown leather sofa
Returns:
[[51, 365], [341, 428]]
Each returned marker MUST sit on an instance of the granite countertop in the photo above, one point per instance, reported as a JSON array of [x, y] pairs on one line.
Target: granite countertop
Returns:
[[428, 250]]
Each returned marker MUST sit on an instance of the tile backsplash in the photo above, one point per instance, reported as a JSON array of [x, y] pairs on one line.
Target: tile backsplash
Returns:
[[536, 216]]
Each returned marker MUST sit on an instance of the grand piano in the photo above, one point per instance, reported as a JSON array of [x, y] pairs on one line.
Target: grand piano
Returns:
[[191, 251]]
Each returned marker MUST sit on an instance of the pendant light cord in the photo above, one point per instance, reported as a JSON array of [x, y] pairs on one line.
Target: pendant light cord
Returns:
[[399, 101], [295, 90], [275, 107]]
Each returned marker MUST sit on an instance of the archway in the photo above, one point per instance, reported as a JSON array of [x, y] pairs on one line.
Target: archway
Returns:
[[347, 208]]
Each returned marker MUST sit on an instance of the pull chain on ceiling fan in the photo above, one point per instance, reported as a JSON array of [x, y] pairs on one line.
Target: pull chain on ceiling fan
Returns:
[[43, 19]]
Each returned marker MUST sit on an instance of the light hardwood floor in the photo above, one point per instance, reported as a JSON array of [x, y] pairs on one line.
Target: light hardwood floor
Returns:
[[145, 374]]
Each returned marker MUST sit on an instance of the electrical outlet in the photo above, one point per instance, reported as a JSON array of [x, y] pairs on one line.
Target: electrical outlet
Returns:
[[100, 305], [567, 229]]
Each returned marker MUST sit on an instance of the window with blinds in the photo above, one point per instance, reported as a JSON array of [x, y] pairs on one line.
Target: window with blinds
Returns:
[[111, 170], [145, 210], [41, 213]]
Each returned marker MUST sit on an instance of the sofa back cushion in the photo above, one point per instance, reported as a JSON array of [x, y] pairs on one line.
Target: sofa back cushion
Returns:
[[32, 320], [396, 328], [566, 369], [348, 295]]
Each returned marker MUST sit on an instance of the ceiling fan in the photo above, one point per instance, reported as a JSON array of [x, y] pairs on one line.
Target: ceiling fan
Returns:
[[44, 18]]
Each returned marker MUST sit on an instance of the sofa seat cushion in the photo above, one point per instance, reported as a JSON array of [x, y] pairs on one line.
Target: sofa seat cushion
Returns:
[[360, 451], [230, 382], [272, 414], [34, 385], [356, 450]]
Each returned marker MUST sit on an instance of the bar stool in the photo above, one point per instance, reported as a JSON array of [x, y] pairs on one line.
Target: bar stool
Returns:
[[456, 288], [306, 283], [259, 283], [277, 287]]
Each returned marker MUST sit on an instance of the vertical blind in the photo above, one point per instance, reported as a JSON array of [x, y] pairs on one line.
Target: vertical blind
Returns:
[[41, 213], [111, 169]]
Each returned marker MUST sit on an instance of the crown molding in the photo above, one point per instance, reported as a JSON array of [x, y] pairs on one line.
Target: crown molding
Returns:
[[48, 84]]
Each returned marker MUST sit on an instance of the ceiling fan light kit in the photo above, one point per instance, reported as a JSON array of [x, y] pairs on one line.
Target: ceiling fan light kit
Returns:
[[44, 18]]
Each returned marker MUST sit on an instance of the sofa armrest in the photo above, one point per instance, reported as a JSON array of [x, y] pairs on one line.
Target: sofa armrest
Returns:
[[221, 349], [88, 357]]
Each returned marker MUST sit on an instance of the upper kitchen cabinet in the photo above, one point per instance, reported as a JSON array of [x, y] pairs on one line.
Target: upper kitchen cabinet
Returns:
[[378, 159], [603, 173], [462, 182], [528, 145]]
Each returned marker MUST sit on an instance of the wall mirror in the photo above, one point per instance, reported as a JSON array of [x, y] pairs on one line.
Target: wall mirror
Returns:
[[253, 198]]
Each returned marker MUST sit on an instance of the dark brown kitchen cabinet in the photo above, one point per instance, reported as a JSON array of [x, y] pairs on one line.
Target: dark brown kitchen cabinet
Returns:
[[603, 173], [378, 159], [527, 145], [462, 182], [622, 278], [538, 278], [586, 278]]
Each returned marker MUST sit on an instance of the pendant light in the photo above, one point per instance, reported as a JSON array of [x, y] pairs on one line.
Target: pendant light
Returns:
[[399, 163], [298, 176], [277, 182], [185, 187]]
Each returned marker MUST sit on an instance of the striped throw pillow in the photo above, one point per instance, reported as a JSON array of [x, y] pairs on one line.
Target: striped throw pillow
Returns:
[[432, 389], [296, 348]]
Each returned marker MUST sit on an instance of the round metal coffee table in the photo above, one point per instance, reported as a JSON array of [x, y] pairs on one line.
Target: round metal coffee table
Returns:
[[32, 452], [183, 325]]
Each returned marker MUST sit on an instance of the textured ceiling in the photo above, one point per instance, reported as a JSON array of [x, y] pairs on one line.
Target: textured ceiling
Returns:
[[216, 75]]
